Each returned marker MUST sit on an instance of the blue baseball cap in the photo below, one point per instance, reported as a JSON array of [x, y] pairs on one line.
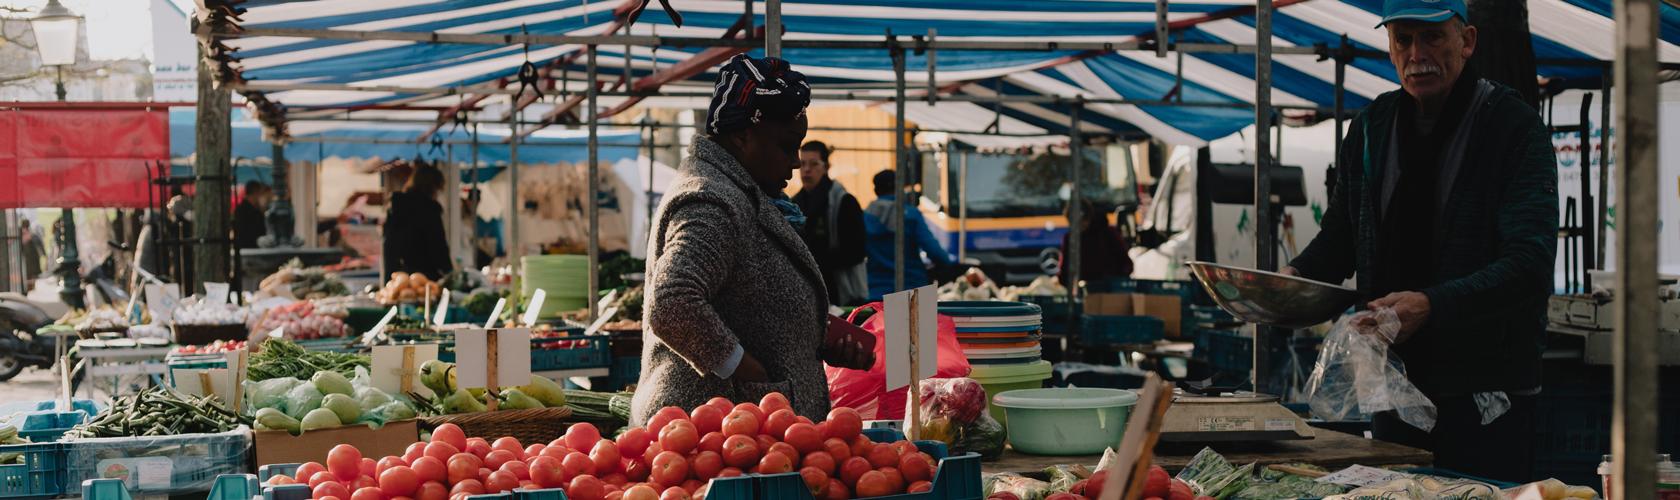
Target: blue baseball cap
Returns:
[[1433, 11]]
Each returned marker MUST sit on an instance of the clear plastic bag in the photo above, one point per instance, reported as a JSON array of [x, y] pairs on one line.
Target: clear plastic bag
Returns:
[[1060, 478], [1024, 488], [302, 399], [1357, 375], [961, 399], [269, 393]]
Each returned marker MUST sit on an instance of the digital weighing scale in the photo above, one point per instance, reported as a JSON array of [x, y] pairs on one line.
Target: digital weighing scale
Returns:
[[1202, 412]]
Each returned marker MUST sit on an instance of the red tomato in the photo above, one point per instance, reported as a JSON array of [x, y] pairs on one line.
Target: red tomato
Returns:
[[450, 433], [329, 489], [804, 420], [470, 487], [707, 419], [673, 413], [586, 488], [787, 451], [279, 479], [774, 463], [882, 455], [367, 493], [636, 469], [430, 469], [821, 460], [461, 467], [837, 448], [641, 492], [919, 486], [873, 484], [577, 463], [669, 468], [441, 450], [675, 493], [519, 469], [633, 442], [852, 469], [914, 467], [765, 442], [740, 451], [844, 423], [705, 465], [773, 402], [692, 486], [901, 447], [861, 445], [894, 478], [777, 423], [511, 445], [362, 482], [547, 473], [496, 458], [815, 479], [484, 477], [533, 450], [582, 436], [307, 471], [653, 450], [386, 463], [345, 461], [758, 413], [836, 490], [679, 436], [415, 451], [322, 477], [369, 468], [399, 481], [740, 423], [615, 480], [1157, 484], [432, 490], [712, 441], [606, 457], [478, 448], [501, 481], [803, 437], [722, 404]]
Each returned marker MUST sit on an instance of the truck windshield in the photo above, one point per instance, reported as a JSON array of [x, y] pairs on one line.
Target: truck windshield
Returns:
[[1018, 185]]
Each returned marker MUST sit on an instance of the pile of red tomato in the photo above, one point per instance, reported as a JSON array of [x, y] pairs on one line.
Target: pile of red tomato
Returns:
[[216, 347], [718, 439]]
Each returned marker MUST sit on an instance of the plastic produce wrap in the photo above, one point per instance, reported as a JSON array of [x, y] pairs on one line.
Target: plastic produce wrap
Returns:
[[1060, 478], [388, 412], [1357, 375], [189, 462], [865, 392], [1274, 475], [1223, 487], [1423, 488], [1205, 467], [961, 399], [1023, 487], [1266, 490], [985, 436], [301, 399], [270, 393]]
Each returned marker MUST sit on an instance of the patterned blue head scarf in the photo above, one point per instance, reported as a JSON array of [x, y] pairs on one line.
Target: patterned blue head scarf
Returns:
[[752, 90]]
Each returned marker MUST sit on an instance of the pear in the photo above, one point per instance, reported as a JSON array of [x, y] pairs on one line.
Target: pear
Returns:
[[544, 390], [438, 376], [514, 399], [460, 402]]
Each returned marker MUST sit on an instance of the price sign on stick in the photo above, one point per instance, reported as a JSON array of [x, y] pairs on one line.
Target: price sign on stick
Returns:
[[500, 303], [601, 321], [396, 368], [379, 328], [912, 330], [218, 382], [493, 358], [216, 293], [443, 308], [532, 311]]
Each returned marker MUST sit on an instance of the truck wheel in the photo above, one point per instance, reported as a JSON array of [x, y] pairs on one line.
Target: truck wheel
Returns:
[[9, 367]]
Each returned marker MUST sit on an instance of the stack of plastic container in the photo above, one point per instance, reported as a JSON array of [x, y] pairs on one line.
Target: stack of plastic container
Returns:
[[1001, 342], [564, 277]]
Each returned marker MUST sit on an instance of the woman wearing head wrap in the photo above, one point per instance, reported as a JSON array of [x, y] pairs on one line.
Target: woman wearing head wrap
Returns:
[[735, 305]]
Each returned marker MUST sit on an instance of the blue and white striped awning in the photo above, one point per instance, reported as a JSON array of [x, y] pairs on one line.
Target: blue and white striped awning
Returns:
[[1564, 29]]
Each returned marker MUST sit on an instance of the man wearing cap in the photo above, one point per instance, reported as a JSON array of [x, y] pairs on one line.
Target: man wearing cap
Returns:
[[1447, 213]]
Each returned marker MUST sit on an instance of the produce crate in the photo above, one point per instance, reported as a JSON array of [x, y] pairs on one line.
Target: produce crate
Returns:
[[1095, 376], [1109, 330], [41, 475], [47, 426], [192, 461], [1190, 292], [593, 353], [1208, 315], [958, 479], [329, 344], [193, 362], [1572, 420], [105, 489], [205, 334], [362, 319], [235, 487], [622, 373], [1055, 311], [271, 470]]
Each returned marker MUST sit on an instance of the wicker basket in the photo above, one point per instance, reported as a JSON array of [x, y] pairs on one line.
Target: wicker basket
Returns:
[[205, 334], [537, 425]]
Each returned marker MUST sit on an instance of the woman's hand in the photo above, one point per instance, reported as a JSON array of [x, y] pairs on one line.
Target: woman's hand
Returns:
[[749, 370], [848, 354]]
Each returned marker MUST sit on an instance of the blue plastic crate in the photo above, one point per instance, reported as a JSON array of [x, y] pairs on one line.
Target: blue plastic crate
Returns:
[[104, 489], [235, 487], [195, 460], [958, 479], [1229, 350], [1189, 292], [623, 372], [1109, 330], [47, 426], [1095, 376], [268, 471], [294, 491], [595, 352], [1207, 315], [41, 475], [884, 435]]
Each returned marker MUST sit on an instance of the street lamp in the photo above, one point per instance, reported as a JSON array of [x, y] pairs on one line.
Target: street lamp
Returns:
[[56, 33]]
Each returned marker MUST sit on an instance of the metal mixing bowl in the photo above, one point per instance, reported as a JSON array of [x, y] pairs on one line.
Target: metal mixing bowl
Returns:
[[1255, 296]]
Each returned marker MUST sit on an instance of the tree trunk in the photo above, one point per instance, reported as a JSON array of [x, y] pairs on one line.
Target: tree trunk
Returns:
[[1504, 48], [213, 195]]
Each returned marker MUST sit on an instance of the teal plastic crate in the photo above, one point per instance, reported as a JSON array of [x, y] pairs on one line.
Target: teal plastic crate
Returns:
[[194, 460], [47, 426], [41, 475], [294, 491], [104, 489], [1096, 330], [267, 471], [958, 479], [235, 487]]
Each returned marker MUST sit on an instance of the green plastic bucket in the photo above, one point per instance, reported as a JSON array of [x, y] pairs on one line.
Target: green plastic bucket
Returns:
[[1065, 421], [1003, 378]]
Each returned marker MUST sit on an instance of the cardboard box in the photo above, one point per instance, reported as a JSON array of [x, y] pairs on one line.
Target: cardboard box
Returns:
[[1169, 308], [281, 447], [1109, 304]]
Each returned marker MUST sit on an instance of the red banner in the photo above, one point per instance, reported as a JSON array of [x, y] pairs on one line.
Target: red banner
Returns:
[[86, 158]]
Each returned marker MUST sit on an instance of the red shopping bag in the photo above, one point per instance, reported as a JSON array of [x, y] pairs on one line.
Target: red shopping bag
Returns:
[[867, 393]]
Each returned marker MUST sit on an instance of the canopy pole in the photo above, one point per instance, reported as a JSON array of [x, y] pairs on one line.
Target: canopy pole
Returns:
[[772, 27], [1633, 427], [594, 193], [1264, 246], [452, 206], [1178, 74], [516, 252], [900, 177], [474, 195], [1161, 29], [647, 146], [210, 207], [1341, 90], [1070, 264], [962, 202], [1603, 163], [932, 58]]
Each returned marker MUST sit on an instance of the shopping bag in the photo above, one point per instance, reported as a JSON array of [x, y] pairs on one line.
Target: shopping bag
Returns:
[[866, 391], [1357, 375]]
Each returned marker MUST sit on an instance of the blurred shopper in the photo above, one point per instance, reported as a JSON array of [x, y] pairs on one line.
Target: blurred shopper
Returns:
[[834, 229], [881, 224]]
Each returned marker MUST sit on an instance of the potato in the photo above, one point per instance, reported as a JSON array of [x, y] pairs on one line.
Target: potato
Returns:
[[1552, 489], [399, 281], [407, 294], [418, 279]]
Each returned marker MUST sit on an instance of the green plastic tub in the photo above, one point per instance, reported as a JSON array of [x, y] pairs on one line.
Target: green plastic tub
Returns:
[[1065, 421], [1003, 378]]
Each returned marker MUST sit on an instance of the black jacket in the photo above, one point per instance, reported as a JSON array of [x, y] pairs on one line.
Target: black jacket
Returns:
[[414, 237], [248, 224]]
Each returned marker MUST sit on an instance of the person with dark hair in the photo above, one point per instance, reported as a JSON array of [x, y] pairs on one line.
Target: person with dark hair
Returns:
[[735, 307], [248, 216], [835, 231], [414, 238], [1102, 253], [881, 225]]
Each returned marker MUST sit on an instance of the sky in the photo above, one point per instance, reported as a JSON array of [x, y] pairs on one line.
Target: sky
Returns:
[[117, 29]]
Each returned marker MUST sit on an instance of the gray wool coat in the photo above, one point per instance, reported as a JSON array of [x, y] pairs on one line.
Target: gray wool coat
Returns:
[[725, 268]]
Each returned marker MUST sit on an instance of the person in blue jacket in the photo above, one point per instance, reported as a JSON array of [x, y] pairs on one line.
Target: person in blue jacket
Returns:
[[880, 226]]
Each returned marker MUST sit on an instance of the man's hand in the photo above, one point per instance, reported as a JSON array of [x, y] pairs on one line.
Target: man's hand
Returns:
[[848, 353], [1290, 271], [1411, 307]]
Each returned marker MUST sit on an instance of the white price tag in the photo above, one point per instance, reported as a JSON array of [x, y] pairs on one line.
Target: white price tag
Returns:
[[1359, 475], [500, 303], [443, 309], [532, 311], [513, 357], [216, 293], [898, 318]]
